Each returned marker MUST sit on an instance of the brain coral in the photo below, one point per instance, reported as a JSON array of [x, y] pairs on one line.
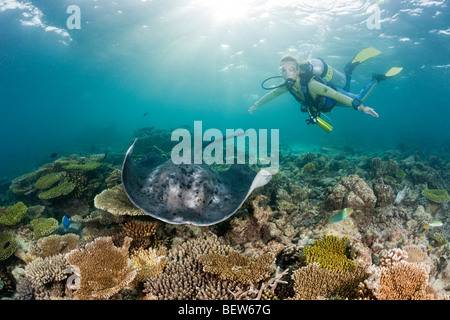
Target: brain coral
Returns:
[[8, 245], [14, 214], [436, 195], [43, 226], [104, 268]]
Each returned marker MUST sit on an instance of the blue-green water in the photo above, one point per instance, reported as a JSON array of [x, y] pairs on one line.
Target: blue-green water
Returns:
[[86, 90]]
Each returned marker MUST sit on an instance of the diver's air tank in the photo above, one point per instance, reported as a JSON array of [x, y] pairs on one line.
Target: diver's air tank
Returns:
[[327, 73]]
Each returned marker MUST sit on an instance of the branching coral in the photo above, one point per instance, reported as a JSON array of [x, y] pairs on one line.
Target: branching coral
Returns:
[[44, 270], [313, 282], [148, 263], [142, 233], [400, 281], [330, 253], [8, 245], [104, 268], [115, 201], [235, 266], [14, 214], [43, 227]]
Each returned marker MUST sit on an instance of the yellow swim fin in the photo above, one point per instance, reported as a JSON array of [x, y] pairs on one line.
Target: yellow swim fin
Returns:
[[365, 54], [393, 72]]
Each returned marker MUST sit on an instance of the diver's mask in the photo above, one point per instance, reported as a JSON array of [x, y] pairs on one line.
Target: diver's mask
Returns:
[[287, 71]]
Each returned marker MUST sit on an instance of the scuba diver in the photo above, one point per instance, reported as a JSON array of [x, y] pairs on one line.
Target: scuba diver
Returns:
[[319, 87]]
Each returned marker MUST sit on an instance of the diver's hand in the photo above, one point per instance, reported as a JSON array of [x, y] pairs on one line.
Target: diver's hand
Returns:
[[368, 110], [252, 108]]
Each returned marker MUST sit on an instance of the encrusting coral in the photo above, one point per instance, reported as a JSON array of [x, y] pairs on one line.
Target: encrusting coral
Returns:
[[436, 195], [103, 267], [14, 214], [8, 245]]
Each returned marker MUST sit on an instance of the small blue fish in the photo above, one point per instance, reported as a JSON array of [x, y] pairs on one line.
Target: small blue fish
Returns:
[[340, 215], [66, 223]]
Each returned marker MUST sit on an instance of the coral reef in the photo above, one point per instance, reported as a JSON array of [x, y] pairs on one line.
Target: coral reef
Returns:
[[279, 245]]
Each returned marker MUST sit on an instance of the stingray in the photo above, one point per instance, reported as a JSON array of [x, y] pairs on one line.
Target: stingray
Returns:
[[187, 193]]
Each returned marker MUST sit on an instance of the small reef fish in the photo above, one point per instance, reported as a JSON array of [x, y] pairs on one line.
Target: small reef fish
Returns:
[[145, 114], [66, 223], [434, 224], [340, 215], [53, 155], [401, 195], [327, 149]]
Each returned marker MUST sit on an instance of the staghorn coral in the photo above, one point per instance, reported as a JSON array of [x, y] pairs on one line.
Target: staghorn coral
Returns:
[[104, 268], [330, 253], [62, 189], [234, 266], [43, 227], [8, 245], [14, 214], [56, 244], [186, 280], [148, 263], [45, 270], [400, 281], [313, 282], [115, 201], [195, 248]]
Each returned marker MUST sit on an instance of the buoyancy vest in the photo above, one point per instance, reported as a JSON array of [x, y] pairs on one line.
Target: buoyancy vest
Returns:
[[315, 105]]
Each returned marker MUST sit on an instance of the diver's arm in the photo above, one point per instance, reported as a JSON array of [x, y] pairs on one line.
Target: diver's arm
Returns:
[[318, 88], [268, 97]]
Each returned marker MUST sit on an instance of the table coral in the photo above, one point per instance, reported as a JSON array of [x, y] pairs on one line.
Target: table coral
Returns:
[[115, 201], [8, 245], [142, 233], [56, 244], [330, 253], [14, 214], [104, 268], [47, 181], [92, 165], [62, 189], [43, 227]]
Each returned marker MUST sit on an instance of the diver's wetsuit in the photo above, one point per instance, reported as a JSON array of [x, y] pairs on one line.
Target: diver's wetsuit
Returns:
[[316, 88]]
